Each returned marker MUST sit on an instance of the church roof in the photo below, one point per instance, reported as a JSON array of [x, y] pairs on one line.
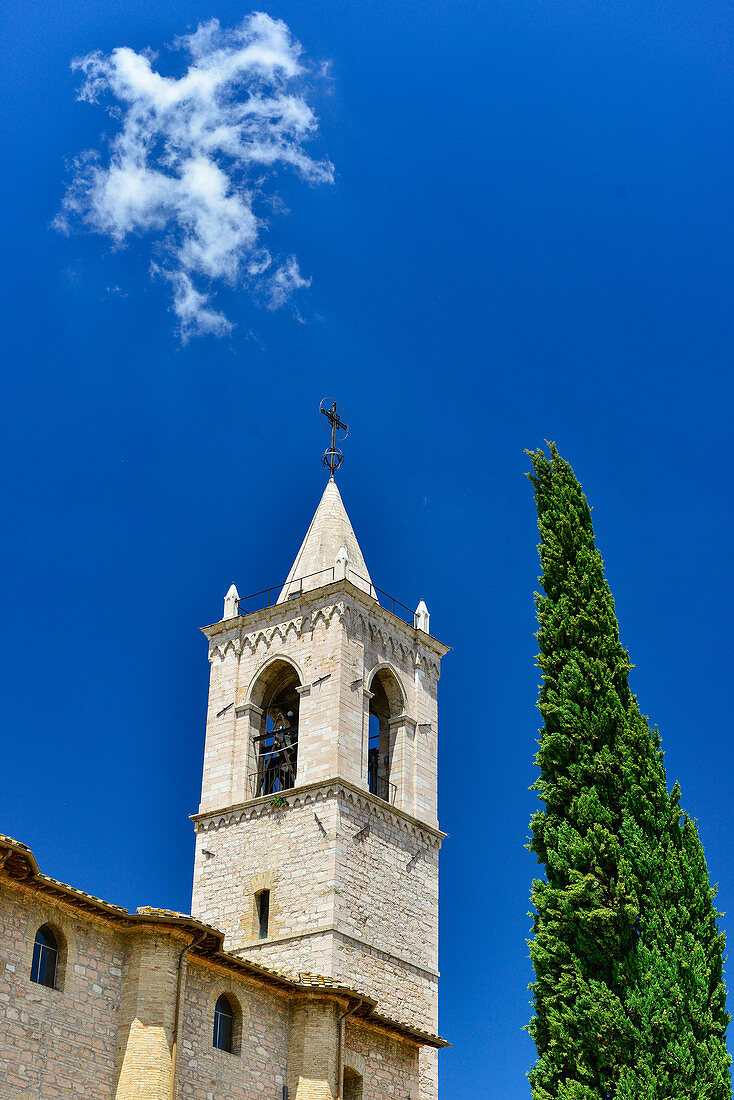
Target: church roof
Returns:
[[329, 533]]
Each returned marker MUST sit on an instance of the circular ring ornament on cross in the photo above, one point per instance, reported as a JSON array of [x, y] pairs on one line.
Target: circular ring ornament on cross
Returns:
[[335, 423]]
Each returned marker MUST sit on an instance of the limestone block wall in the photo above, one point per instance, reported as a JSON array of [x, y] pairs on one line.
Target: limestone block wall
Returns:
[[57, 1042], [240, 653], [107, 1032], [428, 1071], [313, 1049], [300, 955], [255, 1070], [289, 851], [353, 893], [388, 877], [221, 784], [388, 1066], [387, 912], [403, 992]]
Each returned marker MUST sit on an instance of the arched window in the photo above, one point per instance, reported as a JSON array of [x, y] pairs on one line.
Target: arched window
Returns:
[[352, 1084], [276, 745], [223, 1024], [386, 703], [45, 958]]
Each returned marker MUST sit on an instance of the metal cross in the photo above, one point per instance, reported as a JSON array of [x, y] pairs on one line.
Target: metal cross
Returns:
[[333, 457]]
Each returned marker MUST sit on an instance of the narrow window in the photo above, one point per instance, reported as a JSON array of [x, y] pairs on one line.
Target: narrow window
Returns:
[[45, 958], [223, 1025], [262, 903]]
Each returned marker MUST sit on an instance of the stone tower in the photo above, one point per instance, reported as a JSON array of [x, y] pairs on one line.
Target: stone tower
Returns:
[[317, 836]]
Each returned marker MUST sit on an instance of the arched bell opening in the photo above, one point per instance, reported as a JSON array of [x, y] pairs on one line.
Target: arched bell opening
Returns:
[[386, 703], [275, 744]]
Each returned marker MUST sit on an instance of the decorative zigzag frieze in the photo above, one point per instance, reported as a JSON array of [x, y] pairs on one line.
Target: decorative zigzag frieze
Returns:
[[266, 636], [355, 619], [294, 799], [379, 634]]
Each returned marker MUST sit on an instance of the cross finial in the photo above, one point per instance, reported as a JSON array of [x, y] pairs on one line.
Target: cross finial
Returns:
[[334, 418]]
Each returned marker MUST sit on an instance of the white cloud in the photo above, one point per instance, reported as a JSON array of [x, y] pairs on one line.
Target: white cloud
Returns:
[[193, 155], [285, 280]]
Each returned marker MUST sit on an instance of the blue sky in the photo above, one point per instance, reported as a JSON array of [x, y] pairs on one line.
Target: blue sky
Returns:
[[527, 237]]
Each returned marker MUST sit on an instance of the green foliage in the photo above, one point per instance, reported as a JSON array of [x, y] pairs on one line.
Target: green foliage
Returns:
[[628, 995]]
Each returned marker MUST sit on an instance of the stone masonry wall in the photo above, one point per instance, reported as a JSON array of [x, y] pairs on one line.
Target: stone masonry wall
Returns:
[[388, 1066], [147, 1012], [388, 883], [313, 1048], [255, 1070], [115, 1004], [354, 894], [283, 850], [387, 913], [354, 886], [418, 677], [428, 1065], [57, 1042]]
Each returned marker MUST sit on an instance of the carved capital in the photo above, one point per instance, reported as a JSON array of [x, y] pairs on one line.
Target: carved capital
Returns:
[[402, 720], [248, 708]]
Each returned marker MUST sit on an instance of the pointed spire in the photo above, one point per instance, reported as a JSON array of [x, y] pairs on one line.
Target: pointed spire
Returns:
[[231, 603], [422, 619], [330, 545]]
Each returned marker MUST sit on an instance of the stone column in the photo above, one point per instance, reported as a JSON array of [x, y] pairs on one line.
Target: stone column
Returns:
[[147, 1011], [402, 768], [365, 742], [249, 725], [313, 1049]]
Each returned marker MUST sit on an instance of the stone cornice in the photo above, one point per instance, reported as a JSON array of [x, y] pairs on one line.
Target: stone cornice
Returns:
[[341, 599], [305, 604], [248, 708], [318, 792], [260, 946]]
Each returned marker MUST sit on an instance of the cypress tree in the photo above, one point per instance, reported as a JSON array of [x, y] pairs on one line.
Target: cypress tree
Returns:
[[628, 994]]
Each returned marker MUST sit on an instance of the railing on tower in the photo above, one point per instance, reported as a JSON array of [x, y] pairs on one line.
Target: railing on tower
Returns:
[[277, 758], [379, 784], [267, 597]]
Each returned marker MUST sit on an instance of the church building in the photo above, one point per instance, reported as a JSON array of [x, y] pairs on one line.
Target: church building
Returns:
[[308, 968]]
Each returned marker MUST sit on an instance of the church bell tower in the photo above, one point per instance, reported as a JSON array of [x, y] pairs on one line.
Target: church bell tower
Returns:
[[317, 836]]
